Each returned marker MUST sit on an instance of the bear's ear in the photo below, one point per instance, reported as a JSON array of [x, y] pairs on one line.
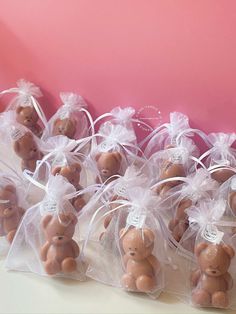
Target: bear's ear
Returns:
[[200, 247], [68, 218], [16, 147], [77, 167], [98, 156], [56, 170], [229, 250], [10, 188], [117, 156], [57, 121], [19, 109], [46, 220], [148, 236], [73, 218]]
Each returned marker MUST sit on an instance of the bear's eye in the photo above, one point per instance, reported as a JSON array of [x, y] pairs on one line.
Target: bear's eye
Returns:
[[130, 248], [135, 249]]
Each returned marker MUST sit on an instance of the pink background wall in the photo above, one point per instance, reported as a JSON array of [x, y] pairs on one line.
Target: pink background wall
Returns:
[[173, 54]]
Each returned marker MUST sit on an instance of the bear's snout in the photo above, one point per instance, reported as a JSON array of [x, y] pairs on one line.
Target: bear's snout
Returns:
[[105, 171], [212, 271], [132, 253]]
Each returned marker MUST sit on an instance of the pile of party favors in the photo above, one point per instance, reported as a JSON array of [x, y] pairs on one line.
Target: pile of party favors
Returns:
[[83, 197]]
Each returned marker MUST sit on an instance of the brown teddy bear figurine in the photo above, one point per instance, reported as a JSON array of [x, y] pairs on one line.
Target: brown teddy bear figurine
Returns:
[[26, 148], [212, 280], [10, 213], [72, 174], [60, 251], [28, 116], [170, 170], [108, 164], [179, 224], [66, 127], [141, 266]]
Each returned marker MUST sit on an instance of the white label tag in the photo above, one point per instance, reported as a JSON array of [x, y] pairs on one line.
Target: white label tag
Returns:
[[212, 234], [25, 99], [64, 114], [16, 134], [106, 146], [121, 190], [48, 206], [136, 219], [176, 158]]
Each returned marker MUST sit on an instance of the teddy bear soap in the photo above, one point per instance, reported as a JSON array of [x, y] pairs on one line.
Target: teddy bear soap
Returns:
[[60, 251]]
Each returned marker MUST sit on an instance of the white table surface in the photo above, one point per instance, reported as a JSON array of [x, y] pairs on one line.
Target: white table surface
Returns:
[[29, 293]]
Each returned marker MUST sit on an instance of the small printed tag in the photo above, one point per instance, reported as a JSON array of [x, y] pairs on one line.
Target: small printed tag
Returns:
[[106, 146], [16, 134], [26, 100], [64, 114], [136, 219], [176, 158], [49, 206], [121, 190], [212, 234]]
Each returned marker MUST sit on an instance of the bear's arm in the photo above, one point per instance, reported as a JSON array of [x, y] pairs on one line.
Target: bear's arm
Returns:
[[28, 164], [125, 259], [195, 276], [229, 281], [75, 248], [155, 263], [38, 129], [44, 251]]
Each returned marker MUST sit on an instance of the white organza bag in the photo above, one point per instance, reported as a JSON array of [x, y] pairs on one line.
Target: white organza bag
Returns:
[[47, 241], [123, 116], [221, 154], [20, 147], [28, 110], [113, 151], [166, 134], [178, 161], [194, 188], [207, 274], [71, 119], [131, 253], [99, 203]]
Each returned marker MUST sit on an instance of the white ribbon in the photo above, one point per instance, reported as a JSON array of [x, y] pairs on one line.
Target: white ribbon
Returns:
[[178, 122]]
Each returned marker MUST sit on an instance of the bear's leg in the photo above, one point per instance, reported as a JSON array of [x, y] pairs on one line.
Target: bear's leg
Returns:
[[69, 265], [52, 267], [201, 297], [10, 235], [145, 283], [220, 300], [172, 224], [128, 282]]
